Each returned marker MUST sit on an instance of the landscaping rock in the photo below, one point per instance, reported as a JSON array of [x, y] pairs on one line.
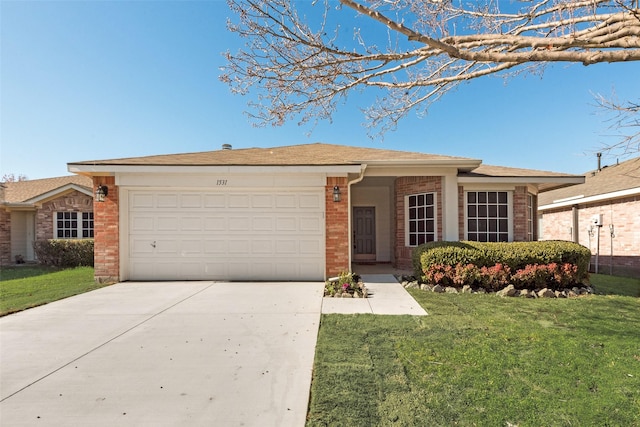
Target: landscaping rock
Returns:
[[426, 287], [546, 293], [438, 289], [509, 291], [466, 289], [450, 290], [481, 291], [560, 294]]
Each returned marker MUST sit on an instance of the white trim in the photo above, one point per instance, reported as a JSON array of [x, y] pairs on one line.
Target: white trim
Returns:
[[597, 198], [521, 180], [59, 190], [331, 170]]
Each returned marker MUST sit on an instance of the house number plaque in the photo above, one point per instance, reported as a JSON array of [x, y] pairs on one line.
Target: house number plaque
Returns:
[[221, 182]]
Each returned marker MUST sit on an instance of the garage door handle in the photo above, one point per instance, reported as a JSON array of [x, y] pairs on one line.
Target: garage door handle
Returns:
[[153, 244]]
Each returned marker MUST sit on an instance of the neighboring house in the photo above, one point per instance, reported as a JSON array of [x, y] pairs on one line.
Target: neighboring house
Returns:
[[301, 212], [43, 209], [602, 214]]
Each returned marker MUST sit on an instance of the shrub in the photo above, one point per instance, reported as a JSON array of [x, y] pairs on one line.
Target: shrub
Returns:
[[515, 255], [64, 252], [345, 283], [553, 276]]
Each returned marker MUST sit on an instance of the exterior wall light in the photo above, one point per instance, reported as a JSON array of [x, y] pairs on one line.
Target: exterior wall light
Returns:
[[336, 194], [101, 193]]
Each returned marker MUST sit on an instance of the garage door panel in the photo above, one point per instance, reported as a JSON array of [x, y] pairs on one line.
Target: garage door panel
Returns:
[[230, 235], [239, 223], [167, 201], [142, 223], [215, 246], [190, 201]]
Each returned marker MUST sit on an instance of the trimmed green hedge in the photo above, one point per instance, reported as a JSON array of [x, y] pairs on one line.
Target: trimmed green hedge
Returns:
[[65, 252], [516, 255]]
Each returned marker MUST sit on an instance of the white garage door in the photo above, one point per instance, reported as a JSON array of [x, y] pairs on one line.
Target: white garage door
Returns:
[[235, 235]]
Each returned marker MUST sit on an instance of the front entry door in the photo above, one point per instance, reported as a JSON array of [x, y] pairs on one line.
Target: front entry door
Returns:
[[364, 233]]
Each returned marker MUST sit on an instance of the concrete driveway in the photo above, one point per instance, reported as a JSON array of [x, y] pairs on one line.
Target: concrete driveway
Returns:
[[163, 354]]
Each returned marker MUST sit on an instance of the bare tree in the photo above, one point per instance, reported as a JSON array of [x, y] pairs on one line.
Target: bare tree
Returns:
[[302, 62], [11, 177], [624, 122]]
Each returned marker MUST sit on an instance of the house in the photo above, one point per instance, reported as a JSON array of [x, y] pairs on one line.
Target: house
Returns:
[[43, 209], [303, 212], [602, 214]]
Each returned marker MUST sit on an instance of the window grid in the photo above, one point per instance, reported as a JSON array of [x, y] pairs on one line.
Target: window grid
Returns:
[[421, 219], [488, 216], [69, 226]]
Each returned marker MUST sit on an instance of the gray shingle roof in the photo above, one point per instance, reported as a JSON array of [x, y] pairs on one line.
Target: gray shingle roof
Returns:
[[317, 154], [23, 191], [617, 177]]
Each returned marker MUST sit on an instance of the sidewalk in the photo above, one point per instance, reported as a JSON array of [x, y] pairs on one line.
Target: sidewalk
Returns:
[[386, 296]]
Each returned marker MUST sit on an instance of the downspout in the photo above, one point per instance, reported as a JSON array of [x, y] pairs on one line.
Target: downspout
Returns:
[[354, 181], [576, 230]]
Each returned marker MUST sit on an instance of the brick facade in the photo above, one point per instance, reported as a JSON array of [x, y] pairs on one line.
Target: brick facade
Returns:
[[107, 233], [621, 213], [405, 186], [5, 237], [74, 201], [337, 228]]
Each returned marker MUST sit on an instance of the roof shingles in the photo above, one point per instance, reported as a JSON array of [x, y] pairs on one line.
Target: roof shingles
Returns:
[[23, 191]]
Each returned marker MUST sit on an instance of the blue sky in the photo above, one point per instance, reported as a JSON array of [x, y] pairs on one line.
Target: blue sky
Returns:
[[83, 80]]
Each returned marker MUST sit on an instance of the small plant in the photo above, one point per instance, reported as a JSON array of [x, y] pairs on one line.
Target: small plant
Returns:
[[347, 284]]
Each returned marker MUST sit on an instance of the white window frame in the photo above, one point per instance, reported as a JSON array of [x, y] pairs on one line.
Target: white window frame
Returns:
[[79, 228], [407, 232], [509, 210]]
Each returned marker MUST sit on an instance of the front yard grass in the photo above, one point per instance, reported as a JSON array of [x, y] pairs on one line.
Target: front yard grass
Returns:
[[482, 360], [612, 285], [30, 286]]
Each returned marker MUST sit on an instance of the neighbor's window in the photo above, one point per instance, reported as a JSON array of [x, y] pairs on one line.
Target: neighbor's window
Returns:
[[421, 218], [74, 225], [488, 216]]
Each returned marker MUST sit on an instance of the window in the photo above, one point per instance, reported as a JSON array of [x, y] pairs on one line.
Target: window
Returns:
[[488, 216], [531, 232], [68, 226], [421, 218]]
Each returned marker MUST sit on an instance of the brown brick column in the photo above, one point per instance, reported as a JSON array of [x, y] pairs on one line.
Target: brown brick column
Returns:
[[5, 237], [106, 222], [337, 228]]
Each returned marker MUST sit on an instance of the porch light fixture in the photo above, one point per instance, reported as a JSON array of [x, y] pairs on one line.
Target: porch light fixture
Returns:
[[101, 193], [336, 194]]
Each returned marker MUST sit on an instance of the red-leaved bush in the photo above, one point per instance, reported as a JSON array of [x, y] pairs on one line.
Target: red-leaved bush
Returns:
[[553, 276]]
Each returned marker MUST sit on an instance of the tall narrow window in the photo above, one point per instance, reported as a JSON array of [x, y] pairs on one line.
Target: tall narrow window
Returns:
[[531, 231], [420, 218], [487, 216]]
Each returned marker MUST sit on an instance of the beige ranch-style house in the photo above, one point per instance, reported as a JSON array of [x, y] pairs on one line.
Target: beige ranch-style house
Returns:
[[303, 212]]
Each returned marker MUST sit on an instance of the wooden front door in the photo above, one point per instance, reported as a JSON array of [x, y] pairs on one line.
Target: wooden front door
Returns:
[[364, 233]]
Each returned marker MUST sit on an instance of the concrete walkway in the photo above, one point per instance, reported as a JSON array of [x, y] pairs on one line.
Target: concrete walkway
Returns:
[[163, 354], [174, 354], [386, 296]]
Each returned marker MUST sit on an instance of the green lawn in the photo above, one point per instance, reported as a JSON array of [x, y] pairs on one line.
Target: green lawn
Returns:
[[612, 285], [481, 360], [30, 286]]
